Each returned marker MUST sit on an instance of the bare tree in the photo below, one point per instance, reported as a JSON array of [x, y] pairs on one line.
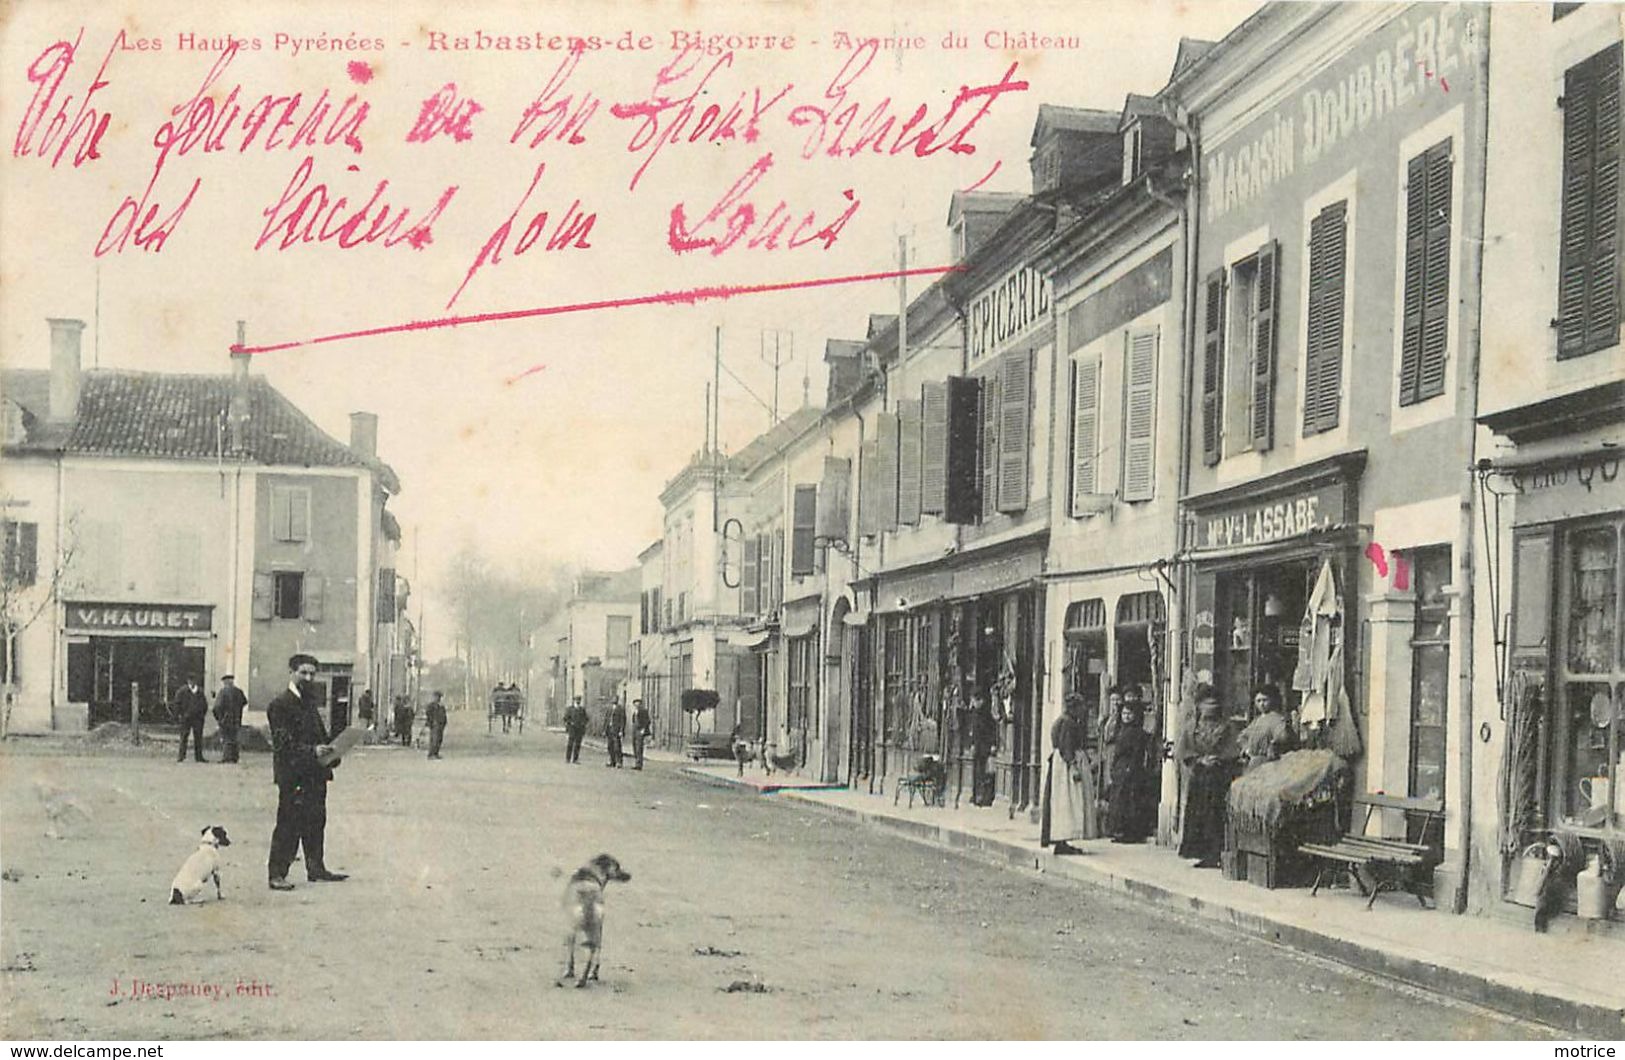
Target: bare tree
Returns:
[[26, 596]]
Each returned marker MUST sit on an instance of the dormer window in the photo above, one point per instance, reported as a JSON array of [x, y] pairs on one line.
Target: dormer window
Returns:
[[1133, 153]]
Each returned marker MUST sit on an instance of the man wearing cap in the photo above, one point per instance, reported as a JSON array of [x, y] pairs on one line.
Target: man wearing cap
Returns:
[[191, 707], [642, 727], [298, 741], [435, 715], [228, 712]]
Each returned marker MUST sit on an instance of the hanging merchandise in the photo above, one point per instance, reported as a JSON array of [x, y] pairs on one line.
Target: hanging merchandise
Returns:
[[1345, 736], [1321, 620], [1004, 689]]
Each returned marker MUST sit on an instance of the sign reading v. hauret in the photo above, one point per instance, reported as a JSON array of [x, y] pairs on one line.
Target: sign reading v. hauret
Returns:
[[156, 618]]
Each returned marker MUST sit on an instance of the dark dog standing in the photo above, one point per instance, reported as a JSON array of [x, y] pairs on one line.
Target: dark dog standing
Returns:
[[584, 914]]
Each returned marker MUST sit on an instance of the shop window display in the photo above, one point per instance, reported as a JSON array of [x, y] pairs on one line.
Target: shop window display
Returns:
[[1587, 740]]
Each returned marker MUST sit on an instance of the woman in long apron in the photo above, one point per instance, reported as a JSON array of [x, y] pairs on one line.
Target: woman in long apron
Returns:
[[1069, 786]]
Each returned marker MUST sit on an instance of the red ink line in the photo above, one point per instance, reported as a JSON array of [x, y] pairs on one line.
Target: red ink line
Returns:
[[532, 370], [1374, 553], [689, 296], [996, 164]]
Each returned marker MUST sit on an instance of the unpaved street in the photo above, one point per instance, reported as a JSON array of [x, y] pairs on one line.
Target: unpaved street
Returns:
[[448, 925]]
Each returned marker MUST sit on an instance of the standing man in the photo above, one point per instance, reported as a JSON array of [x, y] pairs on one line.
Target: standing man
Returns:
[[575, 727], [228, 712], [298, 743], [435, 715], [642, 727], [191, 707], [364, 708], [614, 731], [403, 720]]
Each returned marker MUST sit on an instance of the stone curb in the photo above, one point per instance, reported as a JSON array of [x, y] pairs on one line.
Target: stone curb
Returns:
[[1532, 999]]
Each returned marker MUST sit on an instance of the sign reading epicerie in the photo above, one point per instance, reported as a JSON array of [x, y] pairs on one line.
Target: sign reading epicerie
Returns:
[[130, 618], [1006, 311], [1419, 53], [1278, 520]]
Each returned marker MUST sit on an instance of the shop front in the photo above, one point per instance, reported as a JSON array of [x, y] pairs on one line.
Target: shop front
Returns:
[[1562, 688], [122, 657], [1262, 560], [957, 672]]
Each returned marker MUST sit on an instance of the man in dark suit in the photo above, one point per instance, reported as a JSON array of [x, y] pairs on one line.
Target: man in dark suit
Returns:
[[575, 727], [642, 727], [435, 715], [298, 741], [191, 707], [614, 732], [228, 712]]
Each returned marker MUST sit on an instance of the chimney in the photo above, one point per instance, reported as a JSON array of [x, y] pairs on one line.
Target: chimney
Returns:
[[238, 411], [364, 434], [65, 369]]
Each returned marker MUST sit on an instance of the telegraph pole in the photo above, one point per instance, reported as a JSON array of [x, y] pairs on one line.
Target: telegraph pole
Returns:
[[777, 359]]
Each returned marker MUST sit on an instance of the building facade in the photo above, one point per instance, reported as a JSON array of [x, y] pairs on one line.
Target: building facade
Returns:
[[1548, 714], [172, 534], [1338, 197]]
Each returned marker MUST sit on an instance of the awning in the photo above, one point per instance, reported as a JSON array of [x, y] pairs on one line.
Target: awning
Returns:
[[749, 638], [856, 618], [800, 617]]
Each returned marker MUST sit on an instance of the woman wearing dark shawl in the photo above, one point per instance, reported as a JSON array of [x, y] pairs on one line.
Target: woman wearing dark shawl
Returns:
[[1209, 753], [1069, 788], [1130, 787]]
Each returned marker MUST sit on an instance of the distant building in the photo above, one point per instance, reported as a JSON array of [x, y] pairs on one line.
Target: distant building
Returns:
[[161, 526], [588, 644]]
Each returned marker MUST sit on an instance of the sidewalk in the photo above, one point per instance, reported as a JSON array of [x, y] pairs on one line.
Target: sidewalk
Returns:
[[1570, 980]]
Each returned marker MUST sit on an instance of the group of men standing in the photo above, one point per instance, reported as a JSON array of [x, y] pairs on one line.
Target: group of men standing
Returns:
[[615, 722], [192, 708]]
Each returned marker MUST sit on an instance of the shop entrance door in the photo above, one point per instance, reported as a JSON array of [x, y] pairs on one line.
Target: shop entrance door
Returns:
[[1257, 632], [154, 666]]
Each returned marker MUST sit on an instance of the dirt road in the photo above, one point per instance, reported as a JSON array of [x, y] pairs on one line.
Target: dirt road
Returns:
[[746, 918]]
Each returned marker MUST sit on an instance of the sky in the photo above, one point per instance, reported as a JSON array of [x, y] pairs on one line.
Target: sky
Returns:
[[534, 439]]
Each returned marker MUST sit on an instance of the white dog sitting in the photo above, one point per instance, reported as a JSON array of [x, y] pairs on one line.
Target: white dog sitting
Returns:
[[200, 868]]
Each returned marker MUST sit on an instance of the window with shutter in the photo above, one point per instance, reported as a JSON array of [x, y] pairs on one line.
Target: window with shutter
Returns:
[[909, 462], [1085, 433], [1263, 346], [869, 488], [21, 567], [1323, 347], [990, 445], [804, 514], [385, 609], [1015, 428], [776, 582], [290, 513], [315, 597], [962, 502], [747, 578], [1588, 295], [834, 520], [1213, 369], [886, 440], [933, 447], [1140, 416], [264, 595], [1426, 302]]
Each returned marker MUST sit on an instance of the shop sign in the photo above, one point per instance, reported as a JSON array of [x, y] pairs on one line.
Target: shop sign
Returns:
[[1306, 512], [129, 618], [1006, 311], [1407, 58], [1567, 488]]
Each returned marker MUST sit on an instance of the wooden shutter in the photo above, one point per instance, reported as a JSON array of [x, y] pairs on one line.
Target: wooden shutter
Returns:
[[315, 597], [747, 577], [264, 591], [909, 462], [1265, 307], [9, 534], [1425, 336], [280, 514], [834, 518], [384, 608], [1323, 348], [1015, 428], [1085, 432], [869, 488], [1140, 416], [804, 515], [1588, 272], [990, 444], [1213, 369], [886, 434], [960, 501], [1532, 577], [934, 447], [28, 554]]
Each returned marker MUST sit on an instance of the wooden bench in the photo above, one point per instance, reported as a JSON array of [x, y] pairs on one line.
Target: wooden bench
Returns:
[[1392, 864]]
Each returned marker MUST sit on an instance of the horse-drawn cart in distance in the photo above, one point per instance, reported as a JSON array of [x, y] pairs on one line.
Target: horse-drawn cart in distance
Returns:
[[506, 703]]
